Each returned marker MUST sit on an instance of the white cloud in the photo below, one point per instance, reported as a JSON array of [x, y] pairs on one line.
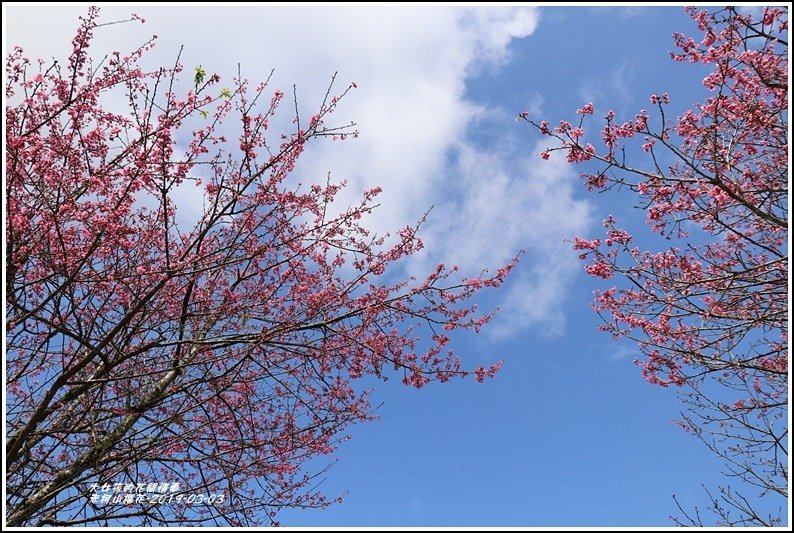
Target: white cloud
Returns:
[[411, 65]]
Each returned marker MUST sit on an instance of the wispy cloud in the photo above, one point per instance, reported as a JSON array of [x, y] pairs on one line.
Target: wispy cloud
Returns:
[[622, 13], [621, 352], [504, 202], [614, 84]]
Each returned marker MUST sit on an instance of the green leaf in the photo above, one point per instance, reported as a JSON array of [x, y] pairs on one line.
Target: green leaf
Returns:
[[200, 73]]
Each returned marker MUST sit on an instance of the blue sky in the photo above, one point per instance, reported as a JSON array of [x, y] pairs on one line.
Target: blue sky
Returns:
[[568, 434]]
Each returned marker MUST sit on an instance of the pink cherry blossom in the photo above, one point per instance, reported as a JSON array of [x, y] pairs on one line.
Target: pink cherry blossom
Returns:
[[707, 303], [222, 355]]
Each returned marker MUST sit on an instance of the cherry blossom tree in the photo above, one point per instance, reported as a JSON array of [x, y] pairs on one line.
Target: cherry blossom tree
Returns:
[[160, 372], [708, 307]]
